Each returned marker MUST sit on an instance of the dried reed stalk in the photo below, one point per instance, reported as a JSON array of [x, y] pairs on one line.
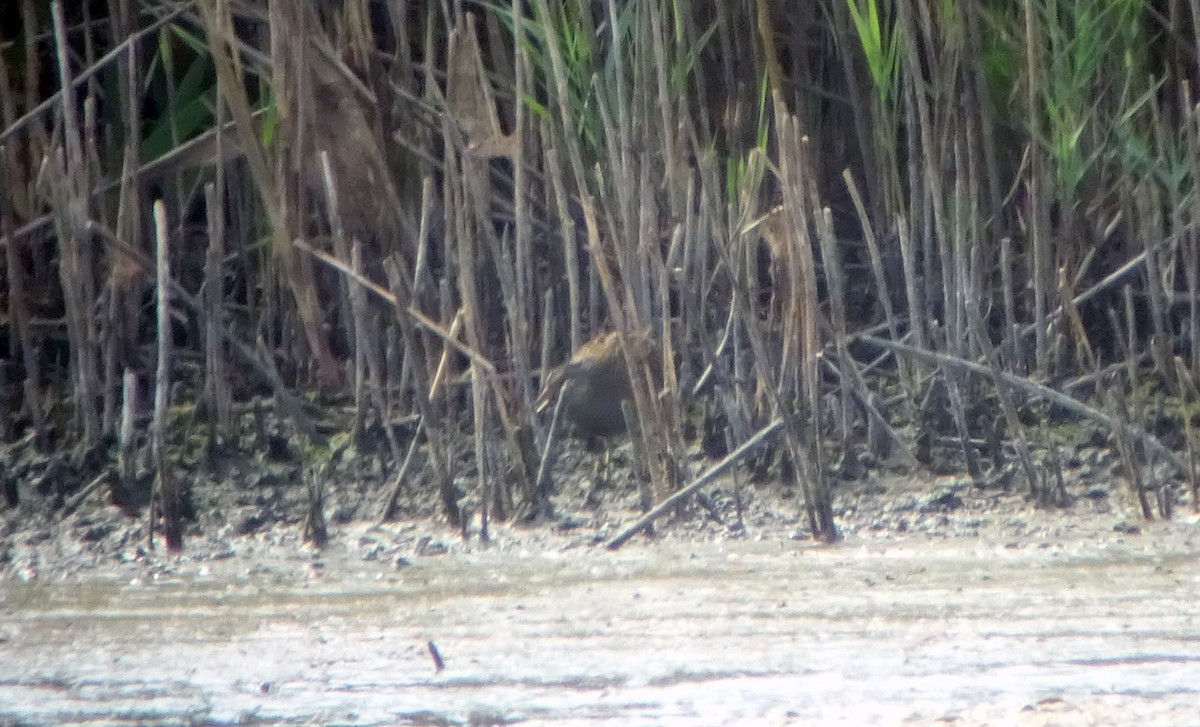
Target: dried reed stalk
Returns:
[[18, 300], [166, 499], [76, 262], [216, 367]]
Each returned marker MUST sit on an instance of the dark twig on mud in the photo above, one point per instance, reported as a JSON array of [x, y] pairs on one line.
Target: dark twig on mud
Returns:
[[77, 499], [437, 657], [389, 508], [541, 487], [1148, 440], [730, 460]]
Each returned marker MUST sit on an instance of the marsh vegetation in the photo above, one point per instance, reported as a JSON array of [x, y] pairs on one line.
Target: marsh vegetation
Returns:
[[867, 235]]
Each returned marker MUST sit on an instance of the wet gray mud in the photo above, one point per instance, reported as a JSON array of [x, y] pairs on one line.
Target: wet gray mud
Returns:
[[1083, 628]]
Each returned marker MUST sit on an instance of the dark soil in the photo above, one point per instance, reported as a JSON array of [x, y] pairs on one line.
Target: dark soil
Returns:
[[247, 503]]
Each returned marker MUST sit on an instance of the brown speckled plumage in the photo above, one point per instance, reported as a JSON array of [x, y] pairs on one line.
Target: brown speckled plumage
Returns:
[[595, 382]]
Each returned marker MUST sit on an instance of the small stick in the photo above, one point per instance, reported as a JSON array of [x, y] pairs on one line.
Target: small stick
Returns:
[[389, 508], [419, 318], [539, 484], [439, 374], [75, 500], [731, 459], [437, 658]]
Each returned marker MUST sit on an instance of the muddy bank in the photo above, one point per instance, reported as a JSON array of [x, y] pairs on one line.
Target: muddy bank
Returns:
[[945, 602], [260, 515], [1066, 628]]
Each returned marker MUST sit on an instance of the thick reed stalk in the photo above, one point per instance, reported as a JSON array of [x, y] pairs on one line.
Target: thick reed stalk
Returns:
[[316, 532], [437, 434], [929, 153], [569, 242], [215, 366], [277, 197], [1191, 396], [621, 298], [522, 258], [1191, 251], [76, 266], [18, 300], [835, 279], [166, 501], [368, 365], [1012, 420], [1039, 198], [1116, 405], [127, 448]]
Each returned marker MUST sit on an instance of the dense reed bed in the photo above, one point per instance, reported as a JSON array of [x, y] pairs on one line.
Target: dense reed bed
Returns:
[[863, 233]]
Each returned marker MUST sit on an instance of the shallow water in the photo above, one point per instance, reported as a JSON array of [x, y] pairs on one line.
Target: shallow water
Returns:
[[914, 632]]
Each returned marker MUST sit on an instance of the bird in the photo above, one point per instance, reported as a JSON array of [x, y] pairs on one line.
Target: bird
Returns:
[[595, 383]]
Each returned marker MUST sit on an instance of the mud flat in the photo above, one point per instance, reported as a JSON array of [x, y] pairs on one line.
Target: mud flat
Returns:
[[1065, 625]]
